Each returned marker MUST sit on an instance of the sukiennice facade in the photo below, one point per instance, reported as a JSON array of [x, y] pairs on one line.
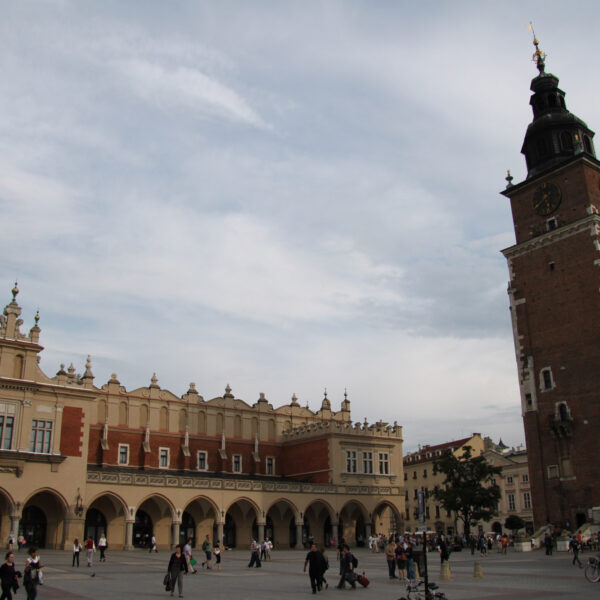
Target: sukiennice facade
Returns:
[[79, 460]]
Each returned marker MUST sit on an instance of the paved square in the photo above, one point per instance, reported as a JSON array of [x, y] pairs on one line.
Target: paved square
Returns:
[[139, 575]]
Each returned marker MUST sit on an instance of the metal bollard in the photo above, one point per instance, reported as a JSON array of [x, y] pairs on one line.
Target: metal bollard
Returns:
[[477, 570], [445, 573]]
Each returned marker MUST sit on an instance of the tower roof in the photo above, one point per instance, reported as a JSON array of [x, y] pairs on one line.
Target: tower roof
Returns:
[[555, 135]]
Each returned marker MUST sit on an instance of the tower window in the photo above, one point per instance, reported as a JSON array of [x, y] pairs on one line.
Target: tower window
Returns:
[[587, 144], [563, 412], [528, 400], [542, 148], [547, 382], [566, 140]]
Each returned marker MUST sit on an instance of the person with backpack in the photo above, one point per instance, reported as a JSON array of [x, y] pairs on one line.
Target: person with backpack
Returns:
[[207, 549], [349, 564]]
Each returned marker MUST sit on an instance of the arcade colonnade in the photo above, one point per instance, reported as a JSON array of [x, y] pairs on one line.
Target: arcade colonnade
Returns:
[[130, 516]]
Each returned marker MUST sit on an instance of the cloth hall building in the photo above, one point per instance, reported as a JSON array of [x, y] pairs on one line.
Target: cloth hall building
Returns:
[[78, 460]]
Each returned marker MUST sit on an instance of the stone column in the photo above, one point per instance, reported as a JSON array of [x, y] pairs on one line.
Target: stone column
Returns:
[[220, 534], [176, 526], [261, 532], [368, 530], [14, 525], [128, 535], [73, 527], [299, 535]]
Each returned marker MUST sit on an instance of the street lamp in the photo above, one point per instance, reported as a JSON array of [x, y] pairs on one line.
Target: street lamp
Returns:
[[78, 510]]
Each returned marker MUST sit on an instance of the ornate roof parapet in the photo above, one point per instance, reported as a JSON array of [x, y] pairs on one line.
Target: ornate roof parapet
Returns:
[[379, 429], [88, 376], [262, 403], [10, 322]]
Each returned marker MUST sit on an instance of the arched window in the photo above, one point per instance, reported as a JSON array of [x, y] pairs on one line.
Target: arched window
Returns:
[[563, 412], [123, 413], [271, 429], [254, 430], [237, 426], [101, 411], [566, 140], [182, 419], [18, 367], [220, 423], [201, 422], [164, 419], [144, 415], [587, 144]]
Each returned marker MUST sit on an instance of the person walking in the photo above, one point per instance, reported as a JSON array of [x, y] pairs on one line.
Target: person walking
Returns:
[[326, 567], [20, 543], [8, 576], [548, 543], [207, 549], [348, 573], [217, 553], [254, 557], [102, 546], [90, 548], [187, 552], [390, 556], [77, 548], [153, 546], [316, 568], [574, 546], [177, 567], [401, 561], [33, 574]]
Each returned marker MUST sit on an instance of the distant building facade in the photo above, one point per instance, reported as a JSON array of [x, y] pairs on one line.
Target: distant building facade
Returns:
[[515, 486], [78, 460], [554, 294], [419, 473]]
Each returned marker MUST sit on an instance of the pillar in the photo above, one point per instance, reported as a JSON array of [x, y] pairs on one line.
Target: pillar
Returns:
[[176, 526], [368, 530], [72, 528], [220, 534], [128, 535], [14, 525], [299, 535], [261, 532]]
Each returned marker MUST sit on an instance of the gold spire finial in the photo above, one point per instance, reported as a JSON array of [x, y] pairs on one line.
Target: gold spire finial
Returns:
[[539, 56]]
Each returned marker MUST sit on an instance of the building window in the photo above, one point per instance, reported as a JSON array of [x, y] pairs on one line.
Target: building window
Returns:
[[547, 382], [270, 465], [237, 463], [509, 480], [437, 512], [414, 474], [406, 495], [123, 454], [427, 512], [566, 467], [41, 436], [552, 471], [526, 500], [525, 477], [163, 458], [407, 514], [6, 431], [424, 473], [416, 494], [405, 476], [202, 461], [367, 462], [511, 502], [384, 464], [350, 461]]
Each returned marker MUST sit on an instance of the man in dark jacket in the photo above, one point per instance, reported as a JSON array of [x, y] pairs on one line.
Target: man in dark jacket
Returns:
[[316, 562], [348, 573]]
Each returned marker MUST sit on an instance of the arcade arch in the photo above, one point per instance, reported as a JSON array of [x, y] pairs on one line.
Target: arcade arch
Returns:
[[43, 519], [154, 517], [199, 518], [280, 524], [6, 512], [241, 523], [352, 523], [318, 520], [387, 519], [106, 514]]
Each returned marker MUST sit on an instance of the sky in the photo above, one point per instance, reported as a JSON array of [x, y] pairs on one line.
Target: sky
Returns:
[[285, 197]]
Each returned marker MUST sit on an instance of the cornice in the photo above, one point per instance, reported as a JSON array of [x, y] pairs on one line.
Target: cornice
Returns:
[[550, 237]]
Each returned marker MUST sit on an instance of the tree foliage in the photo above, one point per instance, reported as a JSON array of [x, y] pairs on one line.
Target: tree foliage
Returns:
[[469, 489], [514, 523]]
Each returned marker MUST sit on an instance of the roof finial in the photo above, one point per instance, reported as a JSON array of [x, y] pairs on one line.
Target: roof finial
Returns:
[[539, 56], [37, 317], [15, 291], [509, 179]]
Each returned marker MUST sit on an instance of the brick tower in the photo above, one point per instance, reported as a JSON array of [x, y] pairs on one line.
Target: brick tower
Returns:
[[554, 293]]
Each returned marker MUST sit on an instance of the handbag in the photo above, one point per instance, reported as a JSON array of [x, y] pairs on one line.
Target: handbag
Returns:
[[193, 562], [167, 582]]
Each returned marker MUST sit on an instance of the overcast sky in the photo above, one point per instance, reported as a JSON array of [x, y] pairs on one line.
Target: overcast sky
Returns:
[[282, 196]]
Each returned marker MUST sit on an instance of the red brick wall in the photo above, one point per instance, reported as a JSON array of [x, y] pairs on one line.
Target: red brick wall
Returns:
[[71, 434], [307, 460]]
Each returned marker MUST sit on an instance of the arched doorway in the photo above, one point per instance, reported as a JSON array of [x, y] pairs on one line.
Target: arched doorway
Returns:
[[95, 524], [360, 531], [6, 512], [43, 519], [387, 519], [280, 525], [315, 521], [240, 523], [187, 530], [229, 533], [497, 527], [142, 529], [353, 521], [33, 526]]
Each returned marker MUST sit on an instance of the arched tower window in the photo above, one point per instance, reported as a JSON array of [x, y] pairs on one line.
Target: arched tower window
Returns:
[[220, 423], [566, 140], [271, 429], [101, 411], [164, 418], [201, 422], [144, 415], [182, 419], [587, 144], [237, 426]]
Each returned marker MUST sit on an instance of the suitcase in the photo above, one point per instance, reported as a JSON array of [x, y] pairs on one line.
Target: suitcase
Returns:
[[363, 580]]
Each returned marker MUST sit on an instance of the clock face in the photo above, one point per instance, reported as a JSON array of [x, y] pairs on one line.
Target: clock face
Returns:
[[546, 198]]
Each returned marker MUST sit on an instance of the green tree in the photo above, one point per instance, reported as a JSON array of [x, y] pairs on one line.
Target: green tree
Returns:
[[514, 523], [469, 489]]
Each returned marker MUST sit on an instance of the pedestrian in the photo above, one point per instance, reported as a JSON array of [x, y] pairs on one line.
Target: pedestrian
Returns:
[[410, 562], [77, 548], [207, 549], [90, 548], [153, 545], [390, 557], [11, 541], [177, 567], [548, 543], [504, 544], [8, 576], [254, 557], [348, 574], [102, 546], [574, 546], [472, 544], [217, 553], [401, 561], [20, 542], [316, 563], [187, 552], [33, 574]]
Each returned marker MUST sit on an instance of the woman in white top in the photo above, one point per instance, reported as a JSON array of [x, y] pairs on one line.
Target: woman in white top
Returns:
[[102, 545], [76, 550]]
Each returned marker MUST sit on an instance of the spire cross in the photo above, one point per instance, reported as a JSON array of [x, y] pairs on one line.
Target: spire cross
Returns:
[[539, 56]]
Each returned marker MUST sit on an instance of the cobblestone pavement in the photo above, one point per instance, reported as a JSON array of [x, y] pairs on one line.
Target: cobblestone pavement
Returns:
[[139, 574]]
